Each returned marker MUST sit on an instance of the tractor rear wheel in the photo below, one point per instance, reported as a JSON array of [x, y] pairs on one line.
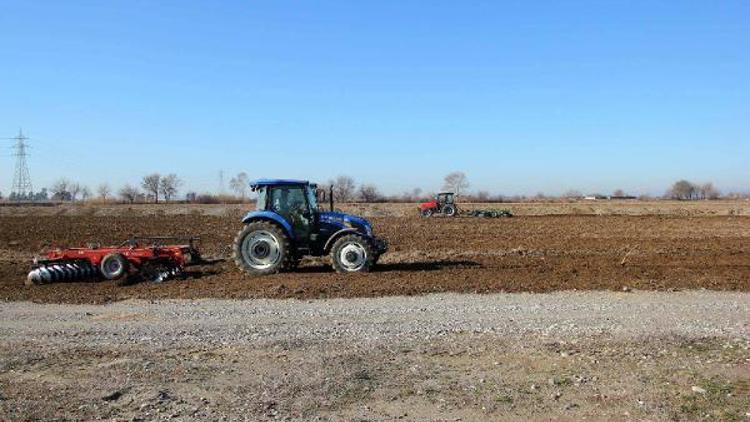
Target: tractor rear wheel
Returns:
[[449, 210], [352, 254], [262, 248]]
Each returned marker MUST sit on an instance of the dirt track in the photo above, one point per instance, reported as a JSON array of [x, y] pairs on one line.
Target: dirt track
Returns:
[[561, 356], [527, 253]]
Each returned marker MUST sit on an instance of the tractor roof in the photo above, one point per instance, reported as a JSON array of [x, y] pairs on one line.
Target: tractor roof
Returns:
[[277, 182]]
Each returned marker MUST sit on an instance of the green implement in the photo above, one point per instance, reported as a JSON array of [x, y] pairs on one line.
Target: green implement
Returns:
[[489, 213]]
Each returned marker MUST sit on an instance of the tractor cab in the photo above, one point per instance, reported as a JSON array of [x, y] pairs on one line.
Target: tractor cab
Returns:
[[288, 225], [444, 198], [294, 201]]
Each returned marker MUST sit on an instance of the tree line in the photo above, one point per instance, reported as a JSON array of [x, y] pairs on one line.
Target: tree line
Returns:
[[155, 187], [152, 188], [684, 190]]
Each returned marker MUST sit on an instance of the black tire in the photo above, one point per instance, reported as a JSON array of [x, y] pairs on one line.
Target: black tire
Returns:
[[262, 248], [449, 210], [115, 267], [426, 213], [353, 254]]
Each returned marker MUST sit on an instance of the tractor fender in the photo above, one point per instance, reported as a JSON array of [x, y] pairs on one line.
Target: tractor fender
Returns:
[[331, 240], [272, 217]]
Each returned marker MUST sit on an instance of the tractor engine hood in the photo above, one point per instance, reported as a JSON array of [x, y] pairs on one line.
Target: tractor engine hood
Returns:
[[430, 204], [344, 221]]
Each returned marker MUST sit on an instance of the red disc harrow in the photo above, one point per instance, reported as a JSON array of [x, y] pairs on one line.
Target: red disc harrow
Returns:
[[147, 257]]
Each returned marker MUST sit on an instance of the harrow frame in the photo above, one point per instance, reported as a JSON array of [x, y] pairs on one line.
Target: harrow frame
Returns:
[[146, 256]]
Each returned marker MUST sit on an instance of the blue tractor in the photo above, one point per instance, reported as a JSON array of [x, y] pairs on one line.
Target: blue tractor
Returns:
[[287, 225]]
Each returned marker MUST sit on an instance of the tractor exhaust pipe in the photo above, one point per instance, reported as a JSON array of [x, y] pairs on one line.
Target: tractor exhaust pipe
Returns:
[[330, 197]]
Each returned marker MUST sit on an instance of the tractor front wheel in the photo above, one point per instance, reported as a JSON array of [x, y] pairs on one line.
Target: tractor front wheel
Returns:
[[427, 212], [352, 254], [262, 248]]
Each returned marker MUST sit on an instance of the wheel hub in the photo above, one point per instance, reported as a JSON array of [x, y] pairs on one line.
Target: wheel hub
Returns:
[[353, 257], [261, 250], [113, 266]]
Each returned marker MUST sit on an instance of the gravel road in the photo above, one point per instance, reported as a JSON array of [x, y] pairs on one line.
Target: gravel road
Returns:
[[447, 356], [563, 315]]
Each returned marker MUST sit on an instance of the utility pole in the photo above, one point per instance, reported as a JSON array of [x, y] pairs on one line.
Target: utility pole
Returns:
[[221, 182], [22, 186]]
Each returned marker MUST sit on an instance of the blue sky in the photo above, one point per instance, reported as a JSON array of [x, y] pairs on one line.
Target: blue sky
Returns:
[[522, 96]]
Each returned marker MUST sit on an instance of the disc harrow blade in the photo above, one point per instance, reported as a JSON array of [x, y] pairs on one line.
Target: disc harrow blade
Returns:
[[59, 272]]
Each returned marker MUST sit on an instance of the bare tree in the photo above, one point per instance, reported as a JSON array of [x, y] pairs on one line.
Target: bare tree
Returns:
[[104, 191], [573, 194], [151, 185], [129, 193], [369, 193], [60, 190], [482, 196], [709, 191], [410, 196], [240, 184], [683, 190], [169, 186], [455, 182], [619, 192], [738, 195], [75, 190], [85, 193], [343, 188]]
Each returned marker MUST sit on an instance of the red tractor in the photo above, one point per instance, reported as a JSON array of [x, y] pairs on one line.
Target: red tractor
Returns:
[[444, 203]]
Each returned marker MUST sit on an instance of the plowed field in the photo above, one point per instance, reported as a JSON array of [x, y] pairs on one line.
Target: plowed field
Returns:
[[525, 253]]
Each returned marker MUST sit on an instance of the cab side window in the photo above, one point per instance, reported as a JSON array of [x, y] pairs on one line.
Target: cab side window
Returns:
[[287, 200]]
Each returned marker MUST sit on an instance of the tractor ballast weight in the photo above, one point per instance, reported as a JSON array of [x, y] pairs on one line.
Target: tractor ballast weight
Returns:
[[287, 226]]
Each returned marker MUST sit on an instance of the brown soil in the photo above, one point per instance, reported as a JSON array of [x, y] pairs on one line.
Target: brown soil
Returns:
[[539, 253]]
